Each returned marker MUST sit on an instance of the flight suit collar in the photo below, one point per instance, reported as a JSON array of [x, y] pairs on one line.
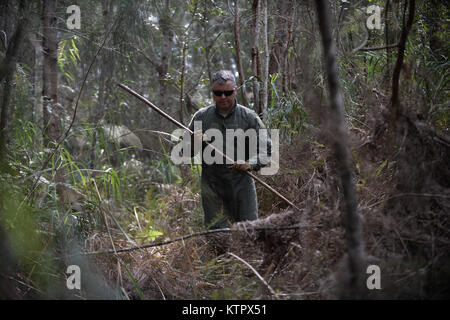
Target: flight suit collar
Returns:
[[229, 114]]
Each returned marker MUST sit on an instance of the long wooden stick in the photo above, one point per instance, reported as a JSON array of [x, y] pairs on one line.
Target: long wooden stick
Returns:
[[180, 125]]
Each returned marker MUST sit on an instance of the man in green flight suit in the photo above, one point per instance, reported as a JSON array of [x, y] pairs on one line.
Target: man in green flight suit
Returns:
[[228, 194]]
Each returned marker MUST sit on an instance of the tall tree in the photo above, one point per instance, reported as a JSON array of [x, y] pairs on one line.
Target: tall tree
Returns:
[[106, 71], [286, 72], [52, 111], [351, 220], [266, 57], [7, 69], [106, 64], [401, 53], [387, 37], [278, 41], [163, 67], [278, 61], [256, 60], [237, 49], [206, 44]]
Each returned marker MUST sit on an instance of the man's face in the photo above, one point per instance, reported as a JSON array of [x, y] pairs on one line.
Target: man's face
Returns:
[[223, 102]]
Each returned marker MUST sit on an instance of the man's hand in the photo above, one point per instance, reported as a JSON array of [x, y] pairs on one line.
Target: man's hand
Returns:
[[242, 167]]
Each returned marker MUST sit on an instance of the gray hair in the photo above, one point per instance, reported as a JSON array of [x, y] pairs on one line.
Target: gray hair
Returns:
[[223, 76]]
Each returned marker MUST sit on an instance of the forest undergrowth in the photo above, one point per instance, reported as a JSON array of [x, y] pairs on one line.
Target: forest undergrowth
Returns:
[[404, 224], [403, 206]]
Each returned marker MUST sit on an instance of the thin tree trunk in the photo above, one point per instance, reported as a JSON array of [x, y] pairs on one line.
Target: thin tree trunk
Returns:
[[285, 79], [387, 39], [51, 115], [400, 55], [163, 68], [105, 66], [8, 68], [256, 63], [52, 111], [237, 47], [5, 22], [6, 97], [277, 44], [265, 72], [205, 40], [183, 69], [351, 219]]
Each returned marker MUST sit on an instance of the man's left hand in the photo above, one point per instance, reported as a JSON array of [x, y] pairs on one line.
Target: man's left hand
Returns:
[[242, 167]]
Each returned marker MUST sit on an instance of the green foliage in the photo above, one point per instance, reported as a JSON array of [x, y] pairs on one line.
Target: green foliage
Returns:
[[167, 171], [28, 233], [286, 113], [149, 235], [68, 58], [432, 76], [374, 63], [112, 184]]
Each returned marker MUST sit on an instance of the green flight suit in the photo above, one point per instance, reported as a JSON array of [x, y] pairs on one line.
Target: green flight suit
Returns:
[[228, 195]]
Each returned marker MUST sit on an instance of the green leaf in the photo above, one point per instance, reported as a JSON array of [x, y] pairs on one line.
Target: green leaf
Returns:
[[380, 168], [150, 235]]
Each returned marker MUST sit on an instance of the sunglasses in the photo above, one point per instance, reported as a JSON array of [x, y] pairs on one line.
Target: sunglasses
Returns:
[[226, 92]]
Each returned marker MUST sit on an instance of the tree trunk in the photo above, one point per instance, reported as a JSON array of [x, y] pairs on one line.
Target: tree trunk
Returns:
[[400, 55], [265, 71], [183, 69], [8, 68], [52, 111], [256, 63], [285, 79], [351, 220], [237, 48], [5, 23], [205, 40], [387, 38], [106, 66], [52, 129], [163, 67]]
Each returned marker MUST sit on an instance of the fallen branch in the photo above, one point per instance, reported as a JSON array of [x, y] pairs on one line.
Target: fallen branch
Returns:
[[163, 243], [379, 48]]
